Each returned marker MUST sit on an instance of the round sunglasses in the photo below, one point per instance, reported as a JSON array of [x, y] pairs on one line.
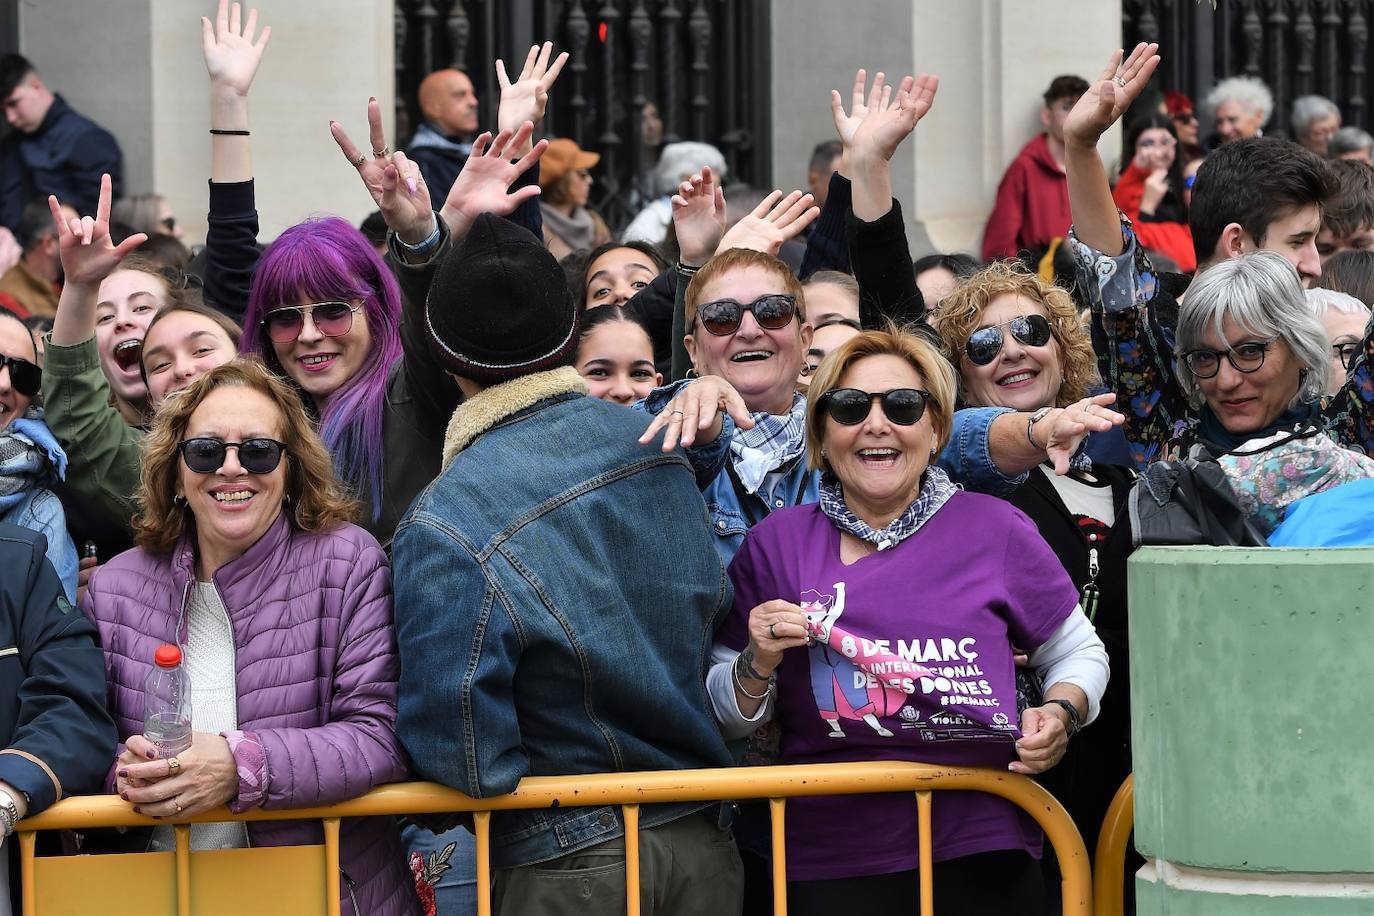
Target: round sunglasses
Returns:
[[25, 377], [985, 343], [723, 316], [205, 455], [332, 319], [851, 406]]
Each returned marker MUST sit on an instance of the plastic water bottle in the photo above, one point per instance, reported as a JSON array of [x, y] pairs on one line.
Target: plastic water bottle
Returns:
[[167, 703]]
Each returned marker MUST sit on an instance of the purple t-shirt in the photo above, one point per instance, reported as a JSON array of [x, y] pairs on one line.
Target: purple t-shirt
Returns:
[[912, 661]]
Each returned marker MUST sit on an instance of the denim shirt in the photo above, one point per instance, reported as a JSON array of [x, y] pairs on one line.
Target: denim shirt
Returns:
[[40, 510], [733, 510], [555, 609]]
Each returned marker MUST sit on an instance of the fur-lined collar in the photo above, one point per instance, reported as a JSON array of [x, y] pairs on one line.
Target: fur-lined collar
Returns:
[[492, 405]]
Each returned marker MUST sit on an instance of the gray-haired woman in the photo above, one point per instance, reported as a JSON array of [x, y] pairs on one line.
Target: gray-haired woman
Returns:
[[1250, 360]]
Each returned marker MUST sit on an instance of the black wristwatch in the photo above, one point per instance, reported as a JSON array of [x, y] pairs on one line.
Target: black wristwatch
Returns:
[[1075, 720]]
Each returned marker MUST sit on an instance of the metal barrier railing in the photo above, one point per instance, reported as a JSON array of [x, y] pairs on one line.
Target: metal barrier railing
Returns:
[[1109, 864], [628, 790]]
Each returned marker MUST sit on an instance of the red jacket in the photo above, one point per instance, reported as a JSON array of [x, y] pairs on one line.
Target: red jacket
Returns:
[[1173, 240], [1032, 207]]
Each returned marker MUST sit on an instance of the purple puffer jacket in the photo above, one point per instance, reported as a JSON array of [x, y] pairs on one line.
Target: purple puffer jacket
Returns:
[[315, 656]]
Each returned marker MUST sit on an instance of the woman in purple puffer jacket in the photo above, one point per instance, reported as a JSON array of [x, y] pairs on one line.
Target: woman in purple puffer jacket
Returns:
[[282, 610]]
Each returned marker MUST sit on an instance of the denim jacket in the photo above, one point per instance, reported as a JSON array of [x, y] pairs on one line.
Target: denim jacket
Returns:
[[556, 599], [733, 510]]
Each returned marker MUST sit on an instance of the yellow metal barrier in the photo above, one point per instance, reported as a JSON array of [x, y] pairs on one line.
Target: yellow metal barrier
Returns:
[[176, 892], [1109, 864]]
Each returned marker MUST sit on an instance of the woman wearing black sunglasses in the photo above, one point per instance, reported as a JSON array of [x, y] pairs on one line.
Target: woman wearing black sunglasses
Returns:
[[248, 561], [907, 655], [1017, 342], [30, 458]]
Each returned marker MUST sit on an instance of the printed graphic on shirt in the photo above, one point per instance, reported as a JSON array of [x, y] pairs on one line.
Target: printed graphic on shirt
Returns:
[[914, 680]]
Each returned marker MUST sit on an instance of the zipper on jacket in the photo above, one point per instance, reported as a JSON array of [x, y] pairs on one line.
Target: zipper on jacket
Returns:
[[1091, 593], [352, 888]]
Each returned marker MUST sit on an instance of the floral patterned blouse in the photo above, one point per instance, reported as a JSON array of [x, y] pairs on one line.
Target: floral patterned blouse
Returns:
[[1133, 335]]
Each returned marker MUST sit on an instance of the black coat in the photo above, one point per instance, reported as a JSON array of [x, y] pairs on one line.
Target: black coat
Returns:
[[65, 156], [56, 734], [1099, 758]]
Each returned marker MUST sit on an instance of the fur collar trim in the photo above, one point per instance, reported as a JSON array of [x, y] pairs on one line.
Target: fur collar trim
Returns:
[[492, 405]]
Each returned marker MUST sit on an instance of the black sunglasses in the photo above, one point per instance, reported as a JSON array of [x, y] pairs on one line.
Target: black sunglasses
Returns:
[[851, 406], [206, 455], [1347, 352], [723, 316], [985, 343], [1245, 357], [25, 377], [332, 319]]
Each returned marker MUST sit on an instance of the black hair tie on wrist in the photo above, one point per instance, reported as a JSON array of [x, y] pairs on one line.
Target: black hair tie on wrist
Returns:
[[229, 133]]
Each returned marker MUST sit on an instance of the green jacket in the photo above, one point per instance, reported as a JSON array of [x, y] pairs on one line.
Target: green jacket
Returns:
[[103, 452]]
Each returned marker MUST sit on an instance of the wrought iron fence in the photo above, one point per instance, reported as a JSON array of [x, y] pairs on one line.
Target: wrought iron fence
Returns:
[[1296, 46], [704, 65]]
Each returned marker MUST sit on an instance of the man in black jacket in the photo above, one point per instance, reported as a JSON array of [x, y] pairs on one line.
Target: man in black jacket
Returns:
[[57, 736], [52, 149]]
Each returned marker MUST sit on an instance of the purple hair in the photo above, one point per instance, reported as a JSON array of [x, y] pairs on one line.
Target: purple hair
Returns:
[[316, 261]]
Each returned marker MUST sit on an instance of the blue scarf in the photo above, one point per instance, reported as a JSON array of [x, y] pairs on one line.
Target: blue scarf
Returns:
[[29, 457]]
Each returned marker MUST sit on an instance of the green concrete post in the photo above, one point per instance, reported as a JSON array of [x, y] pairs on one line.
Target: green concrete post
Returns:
[[1252, 694]]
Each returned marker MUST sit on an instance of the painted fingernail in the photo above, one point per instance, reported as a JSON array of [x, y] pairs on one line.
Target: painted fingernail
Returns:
[[410, 183], [122, 773], [137, 810]]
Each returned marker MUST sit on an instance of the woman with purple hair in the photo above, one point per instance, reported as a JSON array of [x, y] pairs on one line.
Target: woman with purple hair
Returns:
[[328, 314]]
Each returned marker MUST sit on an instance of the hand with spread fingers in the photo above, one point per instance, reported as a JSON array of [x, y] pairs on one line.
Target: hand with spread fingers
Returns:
[[483, 186], [774, 221], [877, 125], [1071, 425], [1117, 87], [696, 414], [197, 780], [87, 252], [527, 97], [394, 181], [699, 217], [232, 55]]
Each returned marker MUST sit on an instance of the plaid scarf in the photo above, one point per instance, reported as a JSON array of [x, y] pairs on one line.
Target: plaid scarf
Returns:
[[772, 443], [936, 490]]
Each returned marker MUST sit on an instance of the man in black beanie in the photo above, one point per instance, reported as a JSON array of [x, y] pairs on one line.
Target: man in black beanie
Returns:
[[557, 592]]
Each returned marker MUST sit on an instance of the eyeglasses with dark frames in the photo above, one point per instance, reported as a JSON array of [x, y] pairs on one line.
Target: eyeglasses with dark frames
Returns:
[[1346, 351], [1244, 357]]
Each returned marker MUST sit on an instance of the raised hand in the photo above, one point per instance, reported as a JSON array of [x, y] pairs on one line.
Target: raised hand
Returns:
[[699, 217], [775, 220], [876, 126], [394, 181], [1119, 85], [526, 98], [231, 54], [84, 245], [483, 186], [696, 412]]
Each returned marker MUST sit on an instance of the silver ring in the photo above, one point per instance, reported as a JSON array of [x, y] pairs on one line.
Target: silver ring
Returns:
[[1119, 80], [675, 413], [178, 804], [771, 633]]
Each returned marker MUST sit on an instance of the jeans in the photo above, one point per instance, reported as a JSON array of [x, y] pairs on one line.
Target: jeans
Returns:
[[687, 867], [454, 878]]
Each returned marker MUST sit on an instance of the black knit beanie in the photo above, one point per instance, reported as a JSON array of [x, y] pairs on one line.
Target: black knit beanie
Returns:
[[499, 306]]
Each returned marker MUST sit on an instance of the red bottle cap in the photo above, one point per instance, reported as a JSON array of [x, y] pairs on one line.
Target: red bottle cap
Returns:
[[167, 656]]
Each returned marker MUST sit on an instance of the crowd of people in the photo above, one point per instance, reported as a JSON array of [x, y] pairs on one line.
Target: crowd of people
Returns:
[[480, 491]]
